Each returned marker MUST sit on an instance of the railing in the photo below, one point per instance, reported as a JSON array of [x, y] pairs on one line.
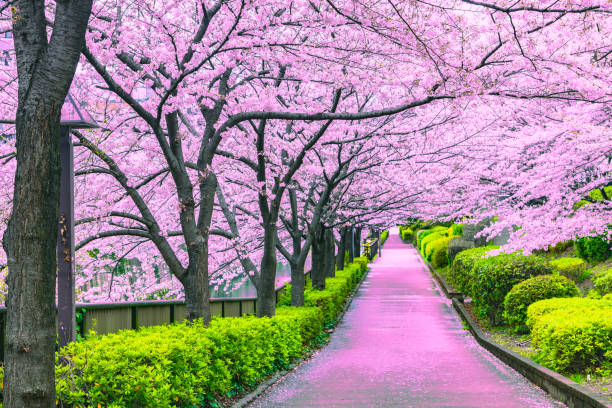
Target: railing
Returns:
[[107, 318], [370, 248]]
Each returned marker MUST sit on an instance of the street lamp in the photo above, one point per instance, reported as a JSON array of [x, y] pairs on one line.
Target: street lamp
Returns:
[[72, 117]]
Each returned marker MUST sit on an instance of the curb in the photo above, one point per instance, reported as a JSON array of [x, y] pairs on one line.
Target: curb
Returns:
[[556, 385], [263, 387]]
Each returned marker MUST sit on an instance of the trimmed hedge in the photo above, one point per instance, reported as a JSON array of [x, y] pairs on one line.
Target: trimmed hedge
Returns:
[[531, 290], [538, 309], [573, 339], [438, 252], [421, 234], [461, 270], [187, 365], [490, 279], [383, 236], [407, 234], [572, 268]]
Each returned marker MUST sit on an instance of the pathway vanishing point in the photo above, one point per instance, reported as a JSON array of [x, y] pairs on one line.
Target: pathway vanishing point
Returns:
[[401, 344]]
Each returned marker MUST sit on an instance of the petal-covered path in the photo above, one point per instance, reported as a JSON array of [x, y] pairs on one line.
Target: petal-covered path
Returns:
[[400, 344]]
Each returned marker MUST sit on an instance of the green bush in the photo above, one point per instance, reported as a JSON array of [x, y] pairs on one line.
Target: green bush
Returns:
[[456, 229], [434, 236], [593, 249], [438, 252], [540, 308], [572, 268], [383, 236], [531, 290], [461, 270], [407, 234], [603, 282], [574, 339], [424, 233], [494, 277]]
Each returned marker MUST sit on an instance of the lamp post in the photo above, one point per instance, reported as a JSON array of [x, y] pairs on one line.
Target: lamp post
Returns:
[[72, 118]]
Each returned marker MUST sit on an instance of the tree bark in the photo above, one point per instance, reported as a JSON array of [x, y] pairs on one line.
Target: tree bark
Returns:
[[351, 243], [357, 242], [266, 292], [298, 283], [317, 273], [330, 258], [45, 72], [341, 250]]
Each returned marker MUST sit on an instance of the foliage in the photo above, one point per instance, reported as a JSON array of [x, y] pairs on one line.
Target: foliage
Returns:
[[570, 267], [494, 277], [460, 273], [424, 233], [406, 233], [593, 249], [531, 290], [603, 282], [383, 236], [538, 309], [456, 229], [575, 338], [439, 251], [425, 241]]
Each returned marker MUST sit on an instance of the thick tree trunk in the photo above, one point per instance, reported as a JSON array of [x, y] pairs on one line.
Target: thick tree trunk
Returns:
[[341, 250], [317, 272], [197, 289], [30, 243], [297, 284], [357, 242], [330, 258], [45, 72], [351, 243], [266, 291]]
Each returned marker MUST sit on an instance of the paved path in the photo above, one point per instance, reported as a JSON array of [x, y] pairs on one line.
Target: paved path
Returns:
[[400, 344]]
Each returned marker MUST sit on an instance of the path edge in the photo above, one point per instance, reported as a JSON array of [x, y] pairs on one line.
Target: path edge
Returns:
[[263, 387], [556, 385]]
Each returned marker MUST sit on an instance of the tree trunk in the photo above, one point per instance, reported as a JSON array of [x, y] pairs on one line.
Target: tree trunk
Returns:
[[341, 250], [330, 258], [317, 272], [298, 283], [45, 72], [197, 289], [357, 242], [30, 244], [266, 292], [351, 243]]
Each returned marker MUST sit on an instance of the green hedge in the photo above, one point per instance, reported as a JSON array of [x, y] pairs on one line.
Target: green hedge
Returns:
[[538, 309], [424, 233], [427, 240], [406, 233], [461, 270], [494, 277], [593, 249], [572, 268], [383, 236], [187, 365], [438, 252], [574, 338], [531, 290]]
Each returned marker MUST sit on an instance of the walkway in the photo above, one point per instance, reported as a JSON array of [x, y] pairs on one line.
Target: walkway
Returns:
[[400, 344]]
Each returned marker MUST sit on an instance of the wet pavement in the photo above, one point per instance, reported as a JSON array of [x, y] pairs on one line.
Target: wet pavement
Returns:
[[401, 344]]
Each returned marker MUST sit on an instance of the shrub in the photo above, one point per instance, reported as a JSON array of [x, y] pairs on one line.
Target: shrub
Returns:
[[407, 234], [456, 230], [540, 308], [593, 249], [439, 252], [434, 236], [531, 290], [424, 233], [603, 282], [574, 339], [460, 273], [570, 267], [560, 247], [494, 277], [383, 236]]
